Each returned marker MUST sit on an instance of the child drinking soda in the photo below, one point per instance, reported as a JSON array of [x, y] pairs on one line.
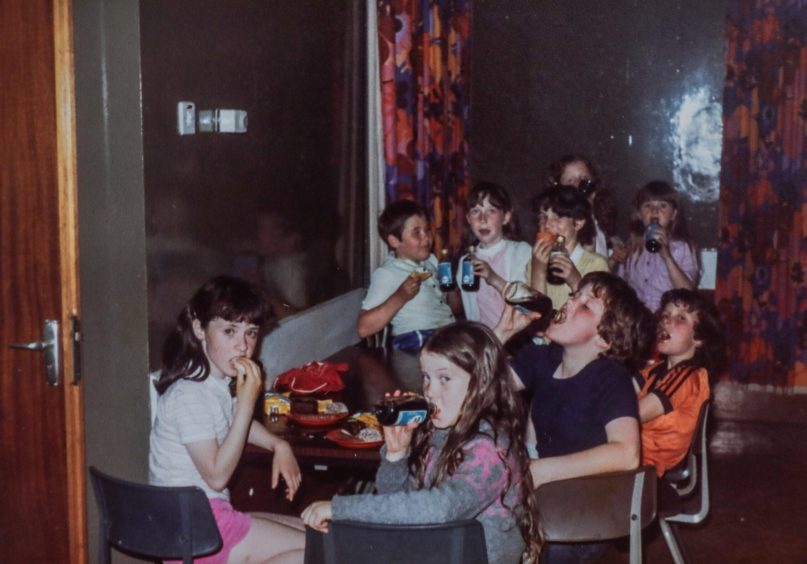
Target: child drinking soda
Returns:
[[498, 257], [691, 340], [466, 462], [660, 255], [565, 212], [404, 290], [584, 407], [199, 431]]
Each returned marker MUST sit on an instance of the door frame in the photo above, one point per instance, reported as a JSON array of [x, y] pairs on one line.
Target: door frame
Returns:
[[68, 270]]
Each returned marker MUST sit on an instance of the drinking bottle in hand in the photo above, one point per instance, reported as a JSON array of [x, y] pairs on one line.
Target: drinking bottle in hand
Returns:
[[445, 276], [650, 241], [400, 410], [559, 248], [468, 280]]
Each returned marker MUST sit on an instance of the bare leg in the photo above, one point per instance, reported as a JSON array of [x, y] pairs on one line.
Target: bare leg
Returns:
[[289, 520], [268, 541]]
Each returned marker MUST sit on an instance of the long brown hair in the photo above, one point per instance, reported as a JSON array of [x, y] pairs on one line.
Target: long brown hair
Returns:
[[491, 397]]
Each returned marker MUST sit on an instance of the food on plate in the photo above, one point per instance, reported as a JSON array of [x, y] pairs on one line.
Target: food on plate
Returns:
[[363, 427], [276, 403], [304, 406]]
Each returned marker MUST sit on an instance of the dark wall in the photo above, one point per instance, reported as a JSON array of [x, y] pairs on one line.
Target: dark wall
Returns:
[[289, 65], [613, 80]]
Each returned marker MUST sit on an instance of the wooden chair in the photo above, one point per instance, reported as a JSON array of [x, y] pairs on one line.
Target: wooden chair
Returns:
[[599, 508], [690, 482], [462, 542], [153, 522]]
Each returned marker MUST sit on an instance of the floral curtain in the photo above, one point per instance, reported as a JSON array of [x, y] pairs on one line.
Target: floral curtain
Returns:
[[424, 57], [762, 286]]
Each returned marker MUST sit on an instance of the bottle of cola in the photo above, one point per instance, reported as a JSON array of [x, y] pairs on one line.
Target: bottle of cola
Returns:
[[400, 410], [468, 280], [650, 241], [559, 248], [445, 276]]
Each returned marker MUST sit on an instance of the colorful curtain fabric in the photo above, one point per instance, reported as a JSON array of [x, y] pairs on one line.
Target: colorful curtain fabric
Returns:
[[762, 287], [423, 49]]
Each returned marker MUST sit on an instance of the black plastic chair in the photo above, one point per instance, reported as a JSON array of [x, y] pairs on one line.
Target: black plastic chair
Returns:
[[153, 522], [462, 542], [690, 481], [599, 507]]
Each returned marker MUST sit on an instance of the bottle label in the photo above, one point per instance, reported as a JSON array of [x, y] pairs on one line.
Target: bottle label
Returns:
[[409, 415], [444, 273], [467, 273]]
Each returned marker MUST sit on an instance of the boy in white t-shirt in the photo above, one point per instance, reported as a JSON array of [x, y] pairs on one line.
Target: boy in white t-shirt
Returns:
[[403, 291]]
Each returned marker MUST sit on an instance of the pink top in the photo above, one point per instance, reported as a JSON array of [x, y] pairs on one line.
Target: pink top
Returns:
[[488, 298], [648, 275]]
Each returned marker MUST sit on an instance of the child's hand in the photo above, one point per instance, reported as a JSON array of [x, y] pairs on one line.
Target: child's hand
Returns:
[[512, 321], [484, 271], [619, 252], [540, 253], [398, 437], [317, 515], [248, 381], [285, 464], [409, 288]]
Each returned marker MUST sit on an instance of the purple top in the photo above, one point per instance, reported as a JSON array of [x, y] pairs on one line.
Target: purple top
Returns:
[[648, 275]]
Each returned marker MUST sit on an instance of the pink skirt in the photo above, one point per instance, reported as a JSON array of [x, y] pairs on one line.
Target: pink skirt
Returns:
[[233, 527]]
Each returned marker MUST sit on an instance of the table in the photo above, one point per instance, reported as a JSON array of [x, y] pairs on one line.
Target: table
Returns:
[[327, 467]]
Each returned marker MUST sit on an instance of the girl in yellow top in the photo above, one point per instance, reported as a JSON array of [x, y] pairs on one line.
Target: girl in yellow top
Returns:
[[691, 339], [564, 210]]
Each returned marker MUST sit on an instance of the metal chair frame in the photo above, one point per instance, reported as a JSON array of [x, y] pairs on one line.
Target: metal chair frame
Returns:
[[695, 474], [600, 507]]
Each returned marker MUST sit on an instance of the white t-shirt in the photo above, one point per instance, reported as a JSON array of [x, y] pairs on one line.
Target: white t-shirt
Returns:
[[186, 413], [427, 310]]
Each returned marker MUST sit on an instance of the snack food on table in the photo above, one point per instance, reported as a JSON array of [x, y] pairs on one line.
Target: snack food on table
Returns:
[[304, 406], [280, 403], [363, 427]]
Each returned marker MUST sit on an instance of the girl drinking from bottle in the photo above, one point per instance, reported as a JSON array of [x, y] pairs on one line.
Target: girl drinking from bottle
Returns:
[[498, 257], [660, 255], [559, 264], [466, 462], [199, 431]]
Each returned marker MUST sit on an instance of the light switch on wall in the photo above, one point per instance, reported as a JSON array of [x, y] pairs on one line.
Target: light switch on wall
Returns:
[[186, 118]]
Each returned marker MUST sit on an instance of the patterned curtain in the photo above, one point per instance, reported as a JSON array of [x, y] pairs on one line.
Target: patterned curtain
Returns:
[[763, 241], [424, 55]]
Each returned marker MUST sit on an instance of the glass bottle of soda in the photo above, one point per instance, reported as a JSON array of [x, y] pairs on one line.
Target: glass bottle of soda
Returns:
[[400, 410], [445, 275], [650, 241], [468, 280], [526, 299], [559, 248]]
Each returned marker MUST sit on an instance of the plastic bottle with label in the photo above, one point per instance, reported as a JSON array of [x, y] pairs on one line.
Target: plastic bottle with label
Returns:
[[445, 275], [559, 248], [400, 410], [468, 280]]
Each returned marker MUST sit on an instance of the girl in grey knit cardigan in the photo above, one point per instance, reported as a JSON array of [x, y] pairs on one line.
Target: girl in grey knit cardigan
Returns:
[[466, 462]]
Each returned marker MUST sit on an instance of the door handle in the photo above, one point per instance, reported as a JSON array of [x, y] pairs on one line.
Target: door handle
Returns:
[[50, 346]]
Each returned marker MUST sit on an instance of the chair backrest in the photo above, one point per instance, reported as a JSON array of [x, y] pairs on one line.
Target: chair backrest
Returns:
[[685, 475], [152, 521], [462, 542], [599, 507]]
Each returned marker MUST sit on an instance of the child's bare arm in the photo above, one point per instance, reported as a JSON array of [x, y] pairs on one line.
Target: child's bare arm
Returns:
[[621, 452], [650, 407], [373, 320]]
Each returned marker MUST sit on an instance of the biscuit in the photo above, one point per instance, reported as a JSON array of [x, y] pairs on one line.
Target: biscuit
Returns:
[[421, 275]]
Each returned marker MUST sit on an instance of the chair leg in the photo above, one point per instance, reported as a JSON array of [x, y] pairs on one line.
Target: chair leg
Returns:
[[673, 538]]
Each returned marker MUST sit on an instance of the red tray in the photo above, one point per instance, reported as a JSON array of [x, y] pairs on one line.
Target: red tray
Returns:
[[338, 437]]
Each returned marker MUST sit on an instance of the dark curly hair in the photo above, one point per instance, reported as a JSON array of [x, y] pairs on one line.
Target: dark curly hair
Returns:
[[709, 329], [491, 397]]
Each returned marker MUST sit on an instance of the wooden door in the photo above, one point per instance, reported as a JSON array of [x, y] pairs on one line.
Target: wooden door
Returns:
[[42, 485]]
